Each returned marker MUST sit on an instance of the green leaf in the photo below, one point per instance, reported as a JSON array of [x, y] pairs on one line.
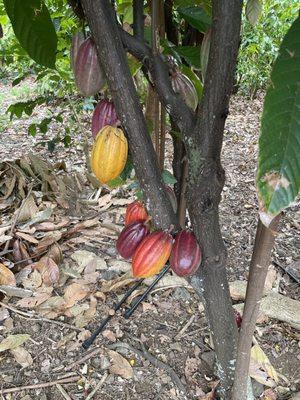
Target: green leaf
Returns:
[[196, 16], [194, 78], [34, 29], [191, 54], [168, 178], [253, 11], [278, 177]]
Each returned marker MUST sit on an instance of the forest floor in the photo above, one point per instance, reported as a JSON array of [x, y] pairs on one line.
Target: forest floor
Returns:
[[57, 235]]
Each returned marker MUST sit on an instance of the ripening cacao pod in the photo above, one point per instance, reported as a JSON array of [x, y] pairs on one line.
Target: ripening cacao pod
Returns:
[[183, 85], [104, 114], [135, 212], [109, 153], [238, 318], [186, 254], [77, 40], [152, 254], [172, 197], [89, 77], [130, 237]]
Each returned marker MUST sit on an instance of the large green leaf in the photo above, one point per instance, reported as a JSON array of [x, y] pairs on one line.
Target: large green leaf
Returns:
[[196, 16], [278, 177], [191, 54], [34, 29]]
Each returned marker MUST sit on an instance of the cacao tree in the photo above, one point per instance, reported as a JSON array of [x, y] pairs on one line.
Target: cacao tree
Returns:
[[197, 103]]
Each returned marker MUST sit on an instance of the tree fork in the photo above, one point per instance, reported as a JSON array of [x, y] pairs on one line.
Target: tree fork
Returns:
[[113, 60]]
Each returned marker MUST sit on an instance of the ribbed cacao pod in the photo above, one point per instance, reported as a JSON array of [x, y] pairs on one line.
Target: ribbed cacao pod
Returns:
[[135, 212], [104, 114], [152, 254], [186, 254], [183, 85], [130, 237], [109, 154], [77, 40], [89, 77], [172, 197]]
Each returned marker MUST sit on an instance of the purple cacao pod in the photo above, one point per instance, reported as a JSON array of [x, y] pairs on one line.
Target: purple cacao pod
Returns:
[[89, 77], [183, 85], [172, 197], [104, 114], [130, 237], [77, 40], [238, 318], [185, 257]]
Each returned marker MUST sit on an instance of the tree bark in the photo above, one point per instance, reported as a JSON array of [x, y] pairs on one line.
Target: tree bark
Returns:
[[206, 180], [264, 242], [113, 61]]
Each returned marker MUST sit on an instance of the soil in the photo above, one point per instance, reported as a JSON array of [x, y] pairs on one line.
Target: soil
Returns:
[[158, 321]]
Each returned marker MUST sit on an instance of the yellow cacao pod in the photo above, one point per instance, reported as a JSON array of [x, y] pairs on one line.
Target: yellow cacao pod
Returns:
[[109, 153]]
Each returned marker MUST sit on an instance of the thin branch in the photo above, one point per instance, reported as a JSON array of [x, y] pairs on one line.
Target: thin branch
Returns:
[[264, 241], [138, 18]]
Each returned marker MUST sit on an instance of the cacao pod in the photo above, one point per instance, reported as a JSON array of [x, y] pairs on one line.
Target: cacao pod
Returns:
[[135, 212], [89, 77], [186, 254], [130, 237], [172, 197], [183, 85], [77, 40], [152, 254], [109, 154], [104, 114]]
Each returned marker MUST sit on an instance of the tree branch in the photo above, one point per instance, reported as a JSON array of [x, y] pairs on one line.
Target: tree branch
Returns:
[[182, 115], [138, 18], [113, 61], [206, 180]]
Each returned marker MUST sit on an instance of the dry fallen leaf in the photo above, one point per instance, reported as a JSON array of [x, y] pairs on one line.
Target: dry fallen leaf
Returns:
[[22, 356], [20, 254], [83, 319], [6, 276], [261, 369], [119, 365], [269, 394], [40, 296], [34, 280], [27, 237], [55, 253], [74, 293], [118, 283], [13, 341], [47, 241], [48, 270], [28, 209], [191, 367]]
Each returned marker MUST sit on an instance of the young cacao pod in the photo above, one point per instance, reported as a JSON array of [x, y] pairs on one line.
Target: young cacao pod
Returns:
[[238, 318], [77, 40], [172, 197], [186, 254], [135, 212], [109, 154], [152, 254], [89, 77], [104, 114], [130, 237], [183, 85]]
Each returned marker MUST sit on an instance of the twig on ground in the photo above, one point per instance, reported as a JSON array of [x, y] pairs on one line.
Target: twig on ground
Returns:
[[181, 332], [32, 317], [154, 361], [71, 379], [63, 392], [97, 387], [92, 354]]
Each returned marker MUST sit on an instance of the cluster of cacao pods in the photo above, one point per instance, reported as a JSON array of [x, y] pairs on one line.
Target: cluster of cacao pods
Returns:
[[149, 251]]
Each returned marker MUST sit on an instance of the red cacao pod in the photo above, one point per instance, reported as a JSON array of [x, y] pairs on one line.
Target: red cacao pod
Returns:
[[104, 114], [89, 77], [172, 197], [152, 254], [77, 40], [130, 237], [186, 254], [135, 212], [183, 85], [238, 318]]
